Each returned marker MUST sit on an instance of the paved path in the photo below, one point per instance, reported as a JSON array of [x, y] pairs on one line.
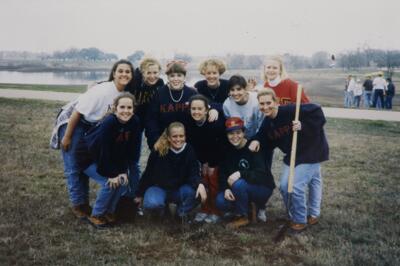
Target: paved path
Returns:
[[329, 112]]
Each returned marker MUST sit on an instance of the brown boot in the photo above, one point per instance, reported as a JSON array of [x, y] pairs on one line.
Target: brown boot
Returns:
[[111, 218], [80, 211], [311, 220], [238, 222], [99, 222], [296, 228]]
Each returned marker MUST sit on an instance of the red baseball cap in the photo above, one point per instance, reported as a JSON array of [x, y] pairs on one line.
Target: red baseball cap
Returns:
[[234, 123]]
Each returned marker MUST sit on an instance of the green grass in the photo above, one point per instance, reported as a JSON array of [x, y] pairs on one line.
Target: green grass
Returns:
[[43, 87], [359, 223]]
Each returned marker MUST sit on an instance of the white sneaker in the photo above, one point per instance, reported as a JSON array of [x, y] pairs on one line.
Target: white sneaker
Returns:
[[262, 215], [200, 216], [212, 219]]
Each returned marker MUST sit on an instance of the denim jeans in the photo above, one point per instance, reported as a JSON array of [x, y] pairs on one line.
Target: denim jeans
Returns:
[[77, 183], [356, 101], [305, 176], [348, 99], [244, 194], [388, 101], [134, 170], [367, 99], [156, 198], [375, 103], [107, 198]]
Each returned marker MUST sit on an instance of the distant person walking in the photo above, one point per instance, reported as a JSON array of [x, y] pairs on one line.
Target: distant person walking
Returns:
[[349, 93], [357, 94], [379, 91], [389, 93], [367, 85]]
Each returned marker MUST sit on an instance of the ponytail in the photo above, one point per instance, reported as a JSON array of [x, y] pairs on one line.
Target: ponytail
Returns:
[[162, 144]]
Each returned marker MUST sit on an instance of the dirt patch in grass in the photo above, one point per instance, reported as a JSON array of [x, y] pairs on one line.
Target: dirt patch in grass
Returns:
[[359, 223]]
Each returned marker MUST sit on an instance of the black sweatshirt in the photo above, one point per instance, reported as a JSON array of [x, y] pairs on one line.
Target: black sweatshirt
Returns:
[[312, 145], [208, 140], [171, 171], [216, 96], [144, 94], [251, 165], [164, 110], [110, 144]]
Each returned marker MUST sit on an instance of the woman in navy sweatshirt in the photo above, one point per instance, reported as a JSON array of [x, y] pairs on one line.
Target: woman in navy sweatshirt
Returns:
[[208, 140], [172, 174], [105, 154], [312, 149]]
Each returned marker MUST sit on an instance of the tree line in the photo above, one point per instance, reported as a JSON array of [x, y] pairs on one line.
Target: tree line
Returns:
[[353, 59]]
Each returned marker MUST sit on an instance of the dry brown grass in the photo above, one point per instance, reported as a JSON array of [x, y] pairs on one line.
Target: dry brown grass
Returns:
[[359, 223]]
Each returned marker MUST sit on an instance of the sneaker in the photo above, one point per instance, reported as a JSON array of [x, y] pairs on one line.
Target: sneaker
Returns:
[[311, 220], [200, 216], [295, 228], [99, 222], [262, 215], [111, 218], [212, 219], [81, 211], [238, 222]]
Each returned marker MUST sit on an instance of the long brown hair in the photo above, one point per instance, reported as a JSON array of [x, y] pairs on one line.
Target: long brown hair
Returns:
[[162, 144]]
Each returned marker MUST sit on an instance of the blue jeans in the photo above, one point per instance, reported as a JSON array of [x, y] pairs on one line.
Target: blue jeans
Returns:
[[367, 99], [244, 194], [77, 183], [134, 170], [306, 176], [375, 103], [388, 101], [356, 101], [107, 198], [156, 198], [348, 99]]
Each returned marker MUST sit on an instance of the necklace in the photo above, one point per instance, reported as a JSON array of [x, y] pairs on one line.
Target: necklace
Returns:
[[172, 97], [210, 90]]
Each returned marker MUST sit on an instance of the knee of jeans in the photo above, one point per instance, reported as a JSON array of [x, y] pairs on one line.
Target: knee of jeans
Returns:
[[187, 191], [220, 202], [239, 186], [153, 203]]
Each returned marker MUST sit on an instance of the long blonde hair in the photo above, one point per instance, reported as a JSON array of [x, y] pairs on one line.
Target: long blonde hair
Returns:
[[162, 144], [276, 58]]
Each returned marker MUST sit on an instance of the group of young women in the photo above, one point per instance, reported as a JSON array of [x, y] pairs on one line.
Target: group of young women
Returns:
[[211, 144]]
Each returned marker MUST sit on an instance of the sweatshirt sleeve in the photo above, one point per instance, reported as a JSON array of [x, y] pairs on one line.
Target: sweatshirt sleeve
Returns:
[[145, 180], [152, 123], [194, 169], [312, 118]]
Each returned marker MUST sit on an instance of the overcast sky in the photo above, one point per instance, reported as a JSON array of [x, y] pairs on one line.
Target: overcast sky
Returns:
[[204, 27]]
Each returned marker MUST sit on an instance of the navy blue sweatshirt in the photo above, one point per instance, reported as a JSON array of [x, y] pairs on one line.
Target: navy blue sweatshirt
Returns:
[[110, 144], [171, 171], [251, 165], [312, 145], [208, 139], [144, 94], [164, 110], [216, 96]]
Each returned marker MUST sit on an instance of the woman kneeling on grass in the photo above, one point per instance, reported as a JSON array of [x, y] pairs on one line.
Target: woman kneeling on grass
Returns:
[[172, 174], [105, 154], [244, 176], [312, 149]]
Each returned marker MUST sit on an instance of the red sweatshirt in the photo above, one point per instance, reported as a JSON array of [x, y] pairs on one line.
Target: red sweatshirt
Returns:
[[286, 92]]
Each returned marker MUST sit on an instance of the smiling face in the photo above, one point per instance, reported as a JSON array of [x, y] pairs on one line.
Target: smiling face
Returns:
[[176, 80], [238, 94], [211, 74], [272, 69], [151, 74], [236, 138], [267, 105], [122, 76], [124, 110], [176, 138], [198, 110]]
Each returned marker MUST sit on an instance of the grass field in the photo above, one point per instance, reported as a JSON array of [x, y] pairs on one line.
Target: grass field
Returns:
[[323, 86], [359, 223]]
